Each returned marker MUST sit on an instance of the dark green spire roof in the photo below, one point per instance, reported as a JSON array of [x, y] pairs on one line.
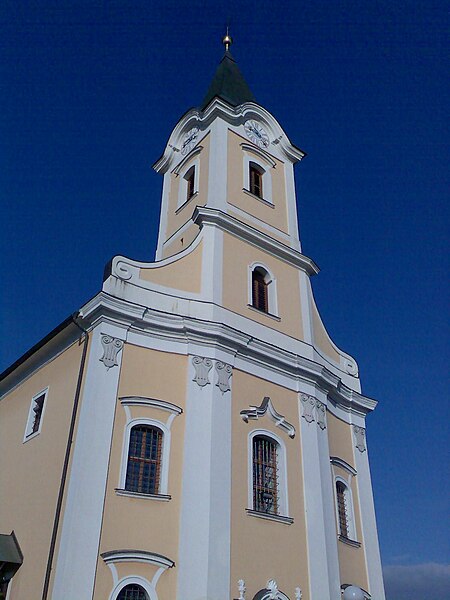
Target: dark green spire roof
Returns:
[[228, 84]]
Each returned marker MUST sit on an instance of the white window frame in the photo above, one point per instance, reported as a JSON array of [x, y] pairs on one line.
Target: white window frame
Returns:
[[283, 501], [271, 282], [165, 454], [134, 579], [348, 497], [265, 165], [30, 420]]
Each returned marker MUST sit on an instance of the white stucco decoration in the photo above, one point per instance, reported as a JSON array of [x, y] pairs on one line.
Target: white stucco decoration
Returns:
[[321, 414], [298, 593], [202, 368], [352, 592], [272, 588], [255, 412], [111, 348], [309, 404], [360, 437], [224, 373], [242, 589]]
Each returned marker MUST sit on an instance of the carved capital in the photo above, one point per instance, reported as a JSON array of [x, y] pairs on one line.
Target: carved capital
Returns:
[[202, 368], [309, 404], [321, 414], [360, 437], [224, 373], [111, 348]]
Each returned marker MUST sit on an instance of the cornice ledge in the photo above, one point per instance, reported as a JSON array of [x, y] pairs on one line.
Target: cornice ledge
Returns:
[[104, 305], [211, 216]]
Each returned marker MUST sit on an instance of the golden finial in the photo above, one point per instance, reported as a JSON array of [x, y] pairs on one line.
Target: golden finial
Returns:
[[227, 41]]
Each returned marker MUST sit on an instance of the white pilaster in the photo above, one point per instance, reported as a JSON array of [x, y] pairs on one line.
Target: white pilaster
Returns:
[[218, 170], [162, 234], [320, 523], [204, 554], [76, 562], [212, 264], [292, 207], [368, 522]]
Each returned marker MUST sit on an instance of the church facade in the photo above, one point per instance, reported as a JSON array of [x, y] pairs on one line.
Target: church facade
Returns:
[[193, 433]]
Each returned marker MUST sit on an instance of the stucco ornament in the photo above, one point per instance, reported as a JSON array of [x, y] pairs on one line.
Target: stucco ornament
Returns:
[[224, 373], [242, 589], [202, 368], [272, 588], [111, 348], [255, 412], [122, 270], [321, 413], [309, 404], [298, 593], [360, 437]]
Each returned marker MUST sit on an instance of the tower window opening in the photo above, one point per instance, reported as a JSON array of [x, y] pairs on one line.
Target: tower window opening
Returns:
[[190, 181], [341, 495], [256, 180], [133, 592], [265, 475], [35, 415], [260, 286], [144, 460]]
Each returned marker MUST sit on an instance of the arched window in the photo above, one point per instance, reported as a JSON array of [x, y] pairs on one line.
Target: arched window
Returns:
[[190, 183], [133, 591], [342, 500], [260, 295], [256, 179], [144, 460], [265, 475]]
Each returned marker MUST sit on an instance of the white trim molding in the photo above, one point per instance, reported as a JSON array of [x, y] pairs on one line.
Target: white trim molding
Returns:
[[255, 412]]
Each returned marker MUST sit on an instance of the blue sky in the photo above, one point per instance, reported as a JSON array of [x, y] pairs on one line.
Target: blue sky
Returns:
[[90, 92]]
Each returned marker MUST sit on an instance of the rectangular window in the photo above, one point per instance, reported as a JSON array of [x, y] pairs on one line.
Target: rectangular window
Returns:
[[265, 475], [34, 422], [144, 460], [255, 181], [190, 180]]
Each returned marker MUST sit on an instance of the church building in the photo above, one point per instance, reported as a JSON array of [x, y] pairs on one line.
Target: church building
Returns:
[[192, 432]]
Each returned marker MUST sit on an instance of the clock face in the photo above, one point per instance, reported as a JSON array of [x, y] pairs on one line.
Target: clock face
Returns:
[[189, 140], [256, 134]]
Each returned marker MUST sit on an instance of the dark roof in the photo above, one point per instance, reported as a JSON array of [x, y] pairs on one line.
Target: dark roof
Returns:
[[229, 84]]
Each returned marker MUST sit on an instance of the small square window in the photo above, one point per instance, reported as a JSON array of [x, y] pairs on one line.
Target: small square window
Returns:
[[35, 415]]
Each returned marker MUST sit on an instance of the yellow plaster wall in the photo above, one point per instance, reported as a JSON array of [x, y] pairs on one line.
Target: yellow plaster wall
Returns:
[[340, 439], [178, 216], [27, 506], [275, 215], [321, 339], [181, 240], [238, 255], [183, 274], [251, 536], [135, 523]]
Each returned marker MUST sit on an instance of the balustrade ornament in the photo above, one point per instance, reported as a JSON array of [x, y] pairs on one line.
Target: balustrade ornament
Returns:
[[111, 348], [202, 368]]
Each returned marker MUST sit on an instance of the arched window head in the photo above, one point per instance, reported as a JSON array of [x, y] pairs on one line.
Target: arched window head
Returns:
[[342, 508], [144, 460], [256, 179], [260, 284], [133, 591], [265, 475]]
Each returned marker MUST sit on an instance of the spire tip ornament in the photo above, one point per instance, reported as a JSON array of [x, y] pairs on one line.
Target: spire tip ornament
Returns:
[[227, 41]]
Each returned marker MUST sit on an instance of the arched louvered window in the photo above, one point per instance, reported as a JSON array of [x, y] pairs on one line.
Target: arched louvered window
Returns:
[[260, 296], [133, 591], [144, 460], [265, 475], [342, 501], [256, 179], [190, 183]]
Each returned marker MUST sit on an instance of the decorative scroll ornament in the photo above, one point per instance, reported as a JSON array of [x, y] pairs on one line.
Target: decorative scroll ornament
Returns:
[[259, 411], [242, 589], [321, 412], [272, 588], [309, 404], [224, 373], [298, 593], [123, 271], [202, 368], [360, 436], [111, 348]]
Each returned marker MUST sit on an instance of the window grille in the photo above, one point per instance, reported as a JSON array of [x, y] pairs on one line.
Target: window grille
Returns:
[[259, 290], [341, 494], [133, 592], [265, 475], [190, 180], [256, 177], [144, 460]]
